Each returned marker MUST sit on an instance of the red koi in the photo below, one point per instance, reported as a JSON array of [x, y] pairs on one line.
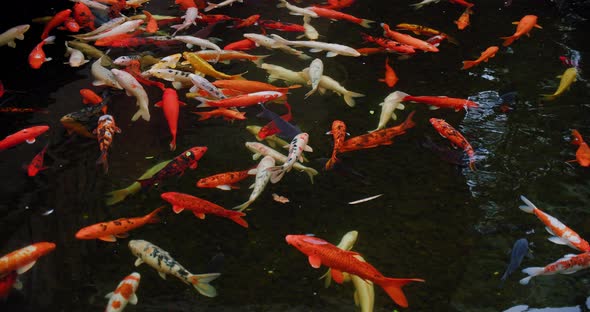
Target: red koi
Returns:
[[200, 207], [55, 21], [6, 283], [271, 127], [151, 25], [339, 134], [583, 152], [84, 16], [224, 181], [241, 45], [288, 27], [249, 21], [185, 4], [337, 15], [71, 25], [455, 137], [170, 104], [134, 69], [371, 50], [36, 164], [442, 102], [390, 45], [249, 99], [25, 135], [37, 56], [463, 3]]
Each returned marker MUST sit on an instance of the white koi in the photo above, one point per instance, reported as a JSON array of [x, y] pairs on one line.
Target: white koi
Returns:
[[317, 46], [423, 3], [195, 41], [133, 88], [93, 4], [124, 28], [327, 83], [281, 73], [190, 17], [204, 84], [76, 56], [310, 31], [211, 6], [313, 74], [296, 148], [103, 27], [388, 107], [16, 32], [161, 260], [295, 10], [262, 178], [103, 76], [124, 293], [260, 149], [270, 43]]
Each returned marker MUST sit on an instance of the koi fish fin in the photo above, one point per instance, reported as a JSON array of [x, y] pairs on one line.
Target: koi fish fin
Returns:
[[508, 40], [145, 182], [538, 26], [162, 275], [201, 283], [548, 97], [328, 278], [529, 208], [102, 159], [276, 173], [331, 162], [237, 218], [122, 235], [557, 240], [549, 231], [138, 261], [31, 140], [143, 113], [109, 295], [199, 215], [153, 216], [12, 44], [337, 276], [177, 209], [133, 299], [308, 148], [25, 267], [242, 206], [315, 262], [259, 60], [532, 272], [108, 238], [310, 172], [158, 104], [224, 187], [366, 23], [469, 64], [393, 287], [349, 98], [18, 285]]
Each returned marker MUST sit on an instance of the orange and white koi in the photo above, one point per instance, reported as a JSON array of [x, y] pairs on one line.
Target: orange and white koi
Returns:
[[389, 45], [225, 56], [423, 30], [37, 56], [123, 28], [104, 133], [562, 235], [36, 164], [407, 39], [296, 148], [484, 57], [523, 27], [332, 49], [23, 259], [224, 181], [111, 230], [151, 25], [321, 252], [161, 261], [337, 15], [390, 76], [124, 293], [251, 86], [583, 152], [171, 105], [569, 264], [338, 133], [455, 137]]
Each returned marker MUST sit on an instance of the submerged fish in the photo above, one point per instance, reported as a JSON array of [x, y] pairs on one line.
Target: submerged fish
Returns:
[[119, 195], [519, 251]]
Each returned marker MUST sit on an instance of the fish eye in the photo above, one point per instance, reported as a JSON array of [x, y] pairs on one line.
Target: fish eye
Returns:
[[188, 154]]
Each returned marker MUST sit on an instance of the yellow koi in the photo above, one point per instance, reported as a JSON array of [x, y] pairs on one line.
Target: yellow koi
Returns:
[[568, 77], [203, 67]]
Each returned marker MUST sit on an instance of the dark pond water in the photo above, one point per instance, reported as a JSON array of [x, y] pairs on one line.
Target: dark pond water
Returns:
[[438, 221]]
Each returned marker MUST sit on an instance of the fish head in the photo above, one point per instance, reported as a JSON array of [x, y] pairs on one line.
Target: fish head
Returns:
[[85, 233], [168, 196], [137, 246], [305, 243], [35, 131], [195, 153], [43, 248], [21, 29]]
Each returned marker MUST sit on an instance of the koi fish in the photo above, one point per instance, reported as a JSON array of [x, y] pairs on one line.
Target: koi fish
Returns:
[[133, 88], [286, 131], [211, 6], [76, 57], [484, 57], [273, 140], [111, 230], [463, 20], [57, 20], [328, 83], [75, 122], [295, 10], [23, 259], [272, 128], [442, 102], [263, 175], [407, 39], [224, 181], [104, 133], [103, 76], [287, 27], [161, 261], [22, 110], [124, 293], [225, 56], [37, 55], [296, 148], [71, 25], [227, 114], [185, 4], [423, 3], [202, 66], [89, 97], [151, 23], [177, 166], [171, 105], [7, 282], [377, 138], [390, 76], [388, 107], [192, 41], [125, 27], [524, 26], [251, 86], [338, 132], [455, 137], [248, 99], [178, 78], [569, 264], [321, 252], [309, 31], [569, 76], [281, 73], [336, 4], [190, 16], [463, 3], [200, 207], [119, 195], [260, 149], [562, 235], [241, 45], [25, 135], [390, 45], [332, 49], [583, 152], [519, 251], [337, 15], [84, 16], [16, 32], [423, 30], [314, 73], [130, 41], [249, 21], [36, 164], [91, 51]]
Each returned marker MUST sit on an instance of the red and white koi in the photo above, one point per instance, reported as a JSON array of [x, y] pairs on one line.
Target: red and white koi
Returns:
[[455, 137], [569, 264], [37, 56], [124, 293], [295, 10], [296, 148]]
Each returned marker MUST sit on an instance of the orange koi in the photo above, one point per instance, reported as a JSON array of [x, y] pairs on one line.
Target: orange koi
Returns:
[[337, 15], [390, 76], [241, 45], [200, 207], [55, 21], [248, 99], [524, 27], [338, 132], [104, 133], [371, 50], [224, 181], [407, 39], [37, 56], [583, 152], [227, 114], [484, 57], [25, 135], [151, 23], [463, 20], [111, 230], [251, 86], [249, 21], [442, 102], [84, 16], [21, 260], [390, 45], [320, 252], [89, 97], [455, 137]]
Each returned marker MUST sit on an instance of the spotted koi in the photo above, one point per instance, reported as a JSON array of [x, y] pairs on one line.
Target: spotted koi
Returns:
[[124, 293], [457, 139]]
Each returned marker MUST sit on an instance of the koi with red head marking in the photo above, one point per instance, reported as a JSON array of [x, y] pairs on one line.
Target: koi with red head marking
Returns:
[[187, 159], [124, 293], [569, 264], [455, 137], [320, 252], [200, 207], [37, 55]]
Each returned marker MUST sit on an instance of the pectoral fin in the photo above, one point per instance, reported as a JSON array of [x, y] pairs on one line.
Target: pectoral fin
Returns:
[[138, 261], [133, 299], [199, 215], [25, 267], [557, 240], [162, 275], [122, 235], [316, 262], [108, 238], [224, 187], [31, 141], [177, 209], [538, 26], [308, 148], [109, 295], [337, 276]]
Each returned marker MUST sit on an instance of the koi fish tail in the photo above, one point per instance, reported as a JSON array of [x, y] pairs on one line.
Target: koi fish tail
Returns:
[[577, 137], [331, 162], [393, 287], [532, 272], [116, 196], [276, 173], [210, 6], [238, 76], [311, 172], [508, 40], [349, 97], [237, 218], [102, 159], [243, 206], [468, 64], [203, 115], [529, 207], [201, 283], [409, 122], [173, 144], [366, 23], [259, 60], [143, 113], [153, 216], [452, 40], [472, 165], [548, 97]]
